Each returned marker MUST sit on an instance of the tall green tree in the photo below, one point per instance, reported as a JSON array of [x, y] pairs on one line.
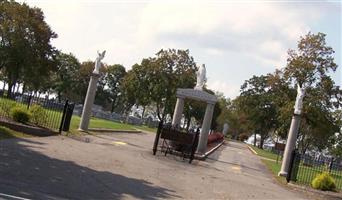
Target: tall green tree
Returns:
[[66, 76], [156, 79], [25, 49], [256, 101], [310, 66], [113, 80]]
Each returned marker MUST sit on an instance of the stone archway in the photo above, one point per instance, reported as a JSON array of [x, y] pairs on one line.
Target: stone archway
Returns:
[[198, 95]]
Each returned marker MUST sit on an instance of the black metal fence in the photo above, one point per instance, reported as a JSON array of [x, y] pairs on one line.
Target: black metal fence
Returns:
[[305, 168], [44, 112]]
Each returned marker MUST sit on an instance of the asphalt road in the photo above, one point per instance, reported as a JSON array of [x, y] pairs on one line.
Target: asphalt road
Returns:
[[121, 166]]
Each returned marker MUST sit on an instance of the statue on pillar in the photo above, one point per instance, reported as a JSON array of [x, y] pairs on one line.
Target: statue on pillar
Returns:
[[98, 62], [299, 100], [201, 77], [225, 129]]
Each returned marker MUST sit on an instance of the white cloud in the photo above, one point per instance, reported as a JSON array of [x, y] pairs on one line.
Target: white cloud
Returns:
[[229, 90]]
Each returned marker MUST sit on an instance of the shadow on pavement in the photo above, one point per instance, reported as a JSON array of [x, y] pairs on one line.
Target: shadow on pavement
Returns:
[[30, 174]]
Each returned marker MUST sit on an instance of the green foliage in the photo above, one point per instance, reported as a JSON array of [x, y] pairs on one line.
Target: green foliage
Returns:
[[26, 54], [311, 62], [324, 182], [156, 79], [256, 101], [20, 114], [7, 107], [66, 76], [113, 79], [38, 115], [267, 101]]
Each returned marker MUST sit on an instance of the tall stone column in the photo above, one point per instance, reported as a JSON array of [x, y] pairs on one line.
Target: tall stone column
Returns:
[[203, 139], [177, 115], [88, 102], [290, 145]]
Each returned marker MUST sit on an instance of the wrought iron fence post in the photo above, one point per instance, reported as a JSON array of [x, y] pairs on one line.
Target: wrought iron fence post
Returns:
[[156, 139], [68, 116], [331, 164], [63, 116], [29, 101]]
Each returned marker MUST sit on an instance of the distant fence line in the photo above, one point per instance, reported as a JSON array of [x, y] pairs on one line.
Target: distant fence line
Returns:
[[52, 112], [99, 113]]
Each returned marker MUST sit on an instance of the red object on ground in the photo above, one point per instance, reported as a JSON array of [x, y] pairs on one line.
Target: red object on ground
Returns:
[[215, 137]]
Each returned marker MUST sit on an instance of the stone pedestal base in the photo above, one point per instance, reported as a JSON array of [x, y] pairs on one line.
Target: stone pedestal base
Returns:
[[290, 145], [203, 139]]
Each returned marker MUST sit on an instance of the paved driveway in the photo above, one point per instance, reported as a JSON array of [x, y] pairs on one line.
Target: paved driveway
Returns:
[[121, 166]]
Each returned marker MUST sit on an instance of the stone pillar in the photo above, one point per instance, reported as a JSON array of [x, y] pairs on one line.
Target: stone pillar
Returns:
[[88, 102], [290, 145], [177, 115], [203, 139]]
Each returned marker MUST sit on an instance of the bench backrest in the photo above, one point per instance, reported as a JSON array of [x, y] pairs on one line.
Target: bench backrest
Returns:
[[177, 136]]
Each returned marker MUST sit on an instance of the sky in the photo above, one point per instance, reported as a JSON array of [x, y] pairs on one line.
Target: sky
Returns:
[[234, 39]]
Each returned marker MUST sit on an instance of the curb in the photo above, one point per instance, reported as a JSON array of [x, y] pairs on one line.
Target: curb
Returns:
[[30, 130], [204, 156], [252, 150], [337, 195], [103, 130]]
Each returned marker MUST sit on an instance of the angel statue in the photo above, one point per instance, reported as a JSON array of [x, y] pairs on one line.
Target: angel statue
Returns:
[[98, 62], [201, 77], [299, 100]]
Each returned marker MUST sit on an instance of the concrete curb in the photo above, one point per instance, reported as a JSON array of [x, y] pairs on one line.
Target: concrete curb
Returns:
[[144, 131], [105, 130], [30, 130], [337, 195], [204, 156], [252, 150]]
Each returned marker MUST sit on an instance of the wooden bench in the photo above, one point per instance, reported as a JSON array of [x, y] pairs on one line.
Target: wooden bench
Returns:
[[176, 142]]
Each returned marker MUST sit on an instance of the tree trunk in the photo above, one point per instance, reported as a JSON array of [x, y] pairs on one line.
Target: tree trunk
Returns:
[[255, 139], [24, 88], [188, 124], [113, 104], [9, 90], [158, 113], [3, 88], [59, 96], [143, 112]]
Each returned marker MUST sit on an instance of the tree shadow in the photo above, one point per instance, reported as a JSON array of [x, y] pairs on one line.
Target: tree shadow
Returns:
[[30, 174]]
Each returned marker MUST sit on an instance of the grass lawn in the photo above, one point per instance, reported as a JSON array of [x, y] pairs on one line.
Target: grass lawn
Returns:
[[274, 167], [6, 133], [100, 123], [264, 153]]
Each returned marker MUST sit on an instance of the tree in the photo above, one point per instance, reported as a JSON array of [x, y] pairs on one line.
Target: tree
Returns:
[[135, 85], [309, 66], [156, 79], [257, 103], [25, 49], [113, 80], [66, 76]]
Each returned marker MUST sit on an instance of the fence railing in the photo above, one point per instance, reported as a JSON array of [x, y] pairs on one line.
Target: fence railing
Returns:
[[305, 168], [45, 112]]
